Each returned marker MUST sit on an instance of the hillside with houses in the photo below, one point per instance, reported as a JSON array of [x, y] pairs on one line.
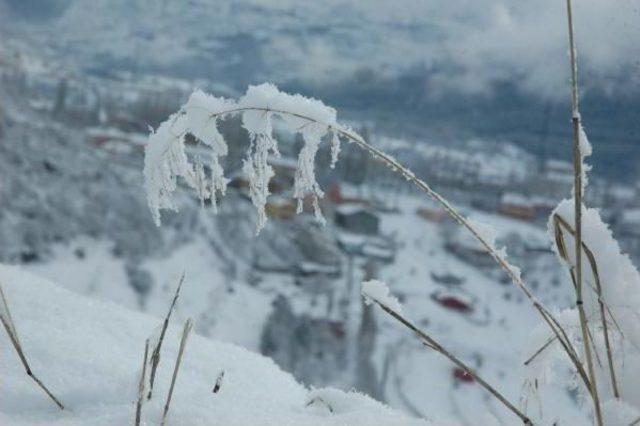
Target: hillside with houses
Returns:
[[74, 212]]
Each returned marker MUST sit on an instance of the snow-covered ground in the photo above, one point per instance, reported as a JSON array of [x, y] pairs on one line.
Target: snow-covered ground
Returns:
[[492, 338], [89, 353]]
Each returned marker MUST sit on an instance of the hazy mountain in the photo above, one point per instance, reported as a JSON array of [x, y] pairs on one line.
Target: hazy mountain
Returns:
[[449, 69]]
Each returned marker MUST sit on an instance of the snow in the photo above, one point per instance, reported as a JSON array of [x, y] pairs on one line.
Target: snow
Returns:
[[515, 199], [86, 266], [620, 282], [618, 413], [335, 149], [496, 164], [619, 277], [584, 146], [208, 296], [89, 354], [377, 291], [489, 234], [494, 341], [165, 160]]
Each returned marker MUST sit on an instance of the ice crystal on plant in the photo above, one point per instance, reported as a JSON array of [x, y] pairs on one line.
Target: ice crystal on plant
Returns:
[[167, 159]]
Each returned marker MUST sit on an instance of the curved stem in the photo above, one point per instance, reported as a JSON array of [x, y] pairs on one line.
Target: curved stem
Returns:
[[395, 166], [577, 195], [433, 344]]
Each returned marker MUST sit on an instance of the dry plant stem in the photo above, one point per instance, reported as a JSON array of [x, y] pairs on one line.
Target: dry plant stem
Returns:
[[141, 384], [577, 193], [539, 351], [321, 400], [430, 342], [218, 384], [9, 327], [395, 166], [188, 325], [155, 356], [548, 318], [565, 342], [560, 223], [597, 288]]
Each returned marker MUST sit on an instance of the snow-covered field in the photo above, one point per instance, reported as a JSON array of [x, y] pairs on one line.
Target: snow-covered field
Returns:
[[89, 353], [492, 338]]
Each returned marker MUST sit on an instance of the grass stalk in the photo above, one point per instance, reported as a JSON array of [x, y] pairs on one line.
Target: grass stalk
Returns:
[[559, 224], [141, 384], [155, 355], [539, 351], [432, 343], [218, 384], [577, 194], [188, 325], [10, 328]]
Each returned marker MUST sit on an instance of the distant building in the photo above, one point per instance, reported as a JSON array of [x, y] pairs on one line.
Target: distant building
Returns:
[[447, 279], [338, 195], [382, 248], [432, 214], [285, 172], [517, 206], [357, 219], [555, 180], [278, 207], [464, 246]]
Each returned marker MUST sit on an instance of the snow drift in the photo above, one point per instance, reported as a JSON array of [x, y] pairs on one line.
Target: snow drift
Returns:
[[90, 353]]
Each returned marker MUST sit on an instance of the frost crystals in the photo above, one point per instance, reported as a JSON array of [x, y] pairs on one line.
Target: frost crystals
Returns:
[[166, 155]]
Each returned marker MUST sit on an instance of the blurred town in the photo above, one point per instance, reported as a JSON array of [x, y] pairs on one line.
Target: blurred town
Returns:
[[71, 155]]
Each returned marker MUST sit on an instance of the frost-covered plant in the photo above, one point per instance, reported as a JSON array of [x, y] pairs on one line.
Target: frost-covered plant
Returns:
[[610, 302], [166, 158], [606, 310]]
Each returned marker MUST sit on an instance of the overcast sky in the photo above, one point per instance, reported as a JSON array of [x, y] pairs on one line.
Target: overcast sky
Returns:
[[463, 45], [476, 42]]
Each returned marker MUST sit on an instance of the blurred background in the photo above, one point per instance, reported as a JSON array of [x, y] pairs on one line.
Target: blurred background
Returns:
[[473, 95]]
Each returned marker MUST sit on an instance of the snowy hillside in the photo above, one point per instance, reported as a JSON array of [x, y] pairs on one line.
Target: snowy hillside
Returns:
[[90, 353], [80, 143], [492, 335]]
